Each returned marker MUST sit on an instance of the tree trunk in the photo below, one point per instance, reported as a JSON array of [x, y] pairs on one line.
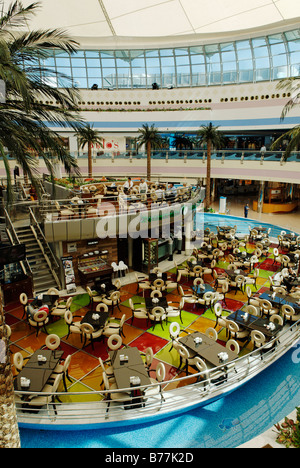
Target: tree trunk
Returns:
[[90, 161], [148, 160], [208, 164], [9, 430]]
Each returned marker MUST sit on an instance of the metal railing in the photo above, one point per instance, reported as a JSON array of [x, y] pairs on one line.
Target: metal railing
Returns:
[[13, 237], [169, 400], [200, 154], [222, 155]]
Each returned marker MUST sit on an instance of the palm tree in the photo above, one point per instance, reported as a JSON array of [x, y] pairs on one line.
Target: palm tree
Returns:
[[25, 118], [149, 136], [88, 136], [292, 87], [212, 137], [9, 433], [25, 128]]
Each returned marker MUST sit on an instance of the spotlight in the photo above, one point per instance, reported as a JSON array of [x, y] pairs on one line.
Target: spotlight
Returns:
[[155, 86], [95, 86]]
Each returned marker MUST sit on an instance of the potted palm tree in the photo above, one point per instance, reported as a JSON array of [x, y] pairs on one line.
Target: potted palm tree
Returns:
[[149, 136], [87, 135], [209, 135]]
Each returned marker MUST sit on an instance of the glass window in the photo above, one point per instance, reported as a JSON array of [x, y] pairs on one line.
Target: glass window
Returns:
[[245, 64], [279, 60], [262, 62], [63, 62], [245, 76], [229, 66], [65, 70], [181, 51], [152, 62], [122, 63], [183, 60], [167, 61], [105, 54], [278, 73], [138, 62], [261, 52], [79, 53], [79, 72], [94, 72], [262, 75], [78, 62], [228, 56], [259, 42], [198, 69], [151, 53], [230, 77], [244, 54], [275, 38], [96, 80], [92, 54], [295, 57], [197, 59], [48, 62], [93, 63], [166, 52], [241, 45], [294, 45], [80, 82], [277, 49], [292, 35], [226, 47], [108, 63]]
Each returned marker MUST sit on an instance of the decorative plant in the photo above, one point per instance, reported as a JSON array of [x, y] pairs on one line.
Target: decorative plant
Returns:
[[289, 431]]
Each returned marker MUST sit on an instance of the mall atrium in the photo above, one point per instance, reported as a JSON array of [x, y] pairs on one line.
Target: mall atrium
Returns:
[[100, 253]]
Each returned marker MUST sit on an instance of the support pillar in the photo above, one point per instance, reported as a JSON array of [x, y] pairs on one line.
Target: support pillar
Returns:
[[260, 201]]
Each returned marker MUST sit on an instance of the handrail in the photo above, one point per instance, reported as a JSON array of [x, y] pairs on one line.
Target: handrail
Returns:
[[8, 220], [181, 398], [41, 234]]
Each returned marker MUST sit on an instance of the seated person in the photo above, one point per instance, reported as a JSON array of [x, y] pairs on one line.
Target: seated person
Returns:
[[143, 187], [160, 192], [128, 184]]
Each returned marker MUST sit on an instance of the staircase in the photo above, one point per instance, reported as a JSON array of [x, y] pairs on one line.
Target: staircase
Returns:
[[39, 257]]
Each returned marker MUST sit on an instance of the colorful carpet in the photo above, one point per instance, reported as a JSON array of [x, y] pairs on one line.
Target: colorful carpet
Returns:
[[84, 369]]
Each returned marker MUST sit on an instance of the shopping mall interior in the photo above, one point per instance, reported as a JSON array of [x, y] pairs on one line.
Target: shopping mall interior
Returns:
[[160, 245]]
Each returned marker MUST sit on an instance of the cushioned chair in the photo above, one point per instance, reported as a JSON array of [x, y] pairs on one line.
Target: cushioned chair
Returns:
[[156, 388], [47, 400], [139, 313], [114, 327], [113, 300], [187, 358], [39, 320], [157, 314], [112, 394], [61, 307], [63, 369]]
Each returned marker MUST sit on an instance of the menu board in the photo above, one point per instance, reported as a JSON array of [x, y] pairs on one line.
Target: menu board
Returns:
[[68, 268]]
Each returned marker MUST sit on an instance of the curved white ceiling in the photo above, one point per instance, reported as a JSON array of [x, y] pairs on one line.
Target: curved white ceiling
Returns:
[[158, 18]]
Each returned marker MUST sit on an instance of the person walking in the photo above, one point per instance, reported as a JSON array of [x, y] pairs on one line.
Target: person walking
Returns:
[[246, 210]]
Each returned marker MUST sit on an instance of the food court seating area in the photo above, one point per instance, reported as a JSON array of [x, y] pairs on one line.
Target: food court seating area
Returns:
[[234, 292]]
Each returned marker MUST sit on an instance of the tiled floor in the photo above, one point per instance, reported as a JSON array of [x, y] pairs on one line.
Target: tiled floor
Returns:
[[84, 368]]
